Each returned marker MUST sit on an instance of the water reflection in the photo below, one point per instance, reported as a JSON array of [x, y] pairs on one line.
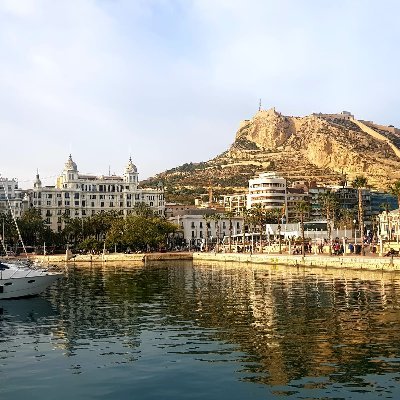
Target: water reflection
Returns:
[[28, 310], [295, 331]]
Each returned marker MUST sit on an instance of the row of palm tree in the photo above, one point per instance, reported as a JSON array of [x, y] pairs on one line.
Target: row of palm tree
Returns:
[[258, 216]]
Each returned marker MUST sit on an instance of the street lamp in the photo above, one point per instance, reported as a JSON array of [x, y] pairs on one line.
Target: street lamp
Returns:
[[279, 238]]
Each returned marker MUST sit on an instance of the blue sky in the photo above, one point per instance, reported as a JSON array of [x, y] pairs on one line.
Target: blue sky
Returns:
[[168, 81]]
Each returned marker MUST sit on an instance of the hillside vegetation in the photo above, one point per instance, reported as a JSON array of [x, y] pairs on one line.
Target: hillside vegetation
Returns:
[[316, 147]]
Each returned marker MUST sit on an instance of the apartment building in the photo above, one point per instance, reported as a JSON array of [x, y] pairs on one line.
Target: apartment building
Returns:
[[79, 196]]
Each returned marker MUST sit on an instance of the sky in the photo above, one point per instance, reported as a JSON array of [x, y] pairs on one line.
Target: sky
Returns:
[[167, 82]]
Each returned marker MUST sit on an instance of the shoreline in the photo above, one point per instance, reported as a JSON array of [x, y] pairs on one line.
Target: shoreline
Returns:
[[309, 260]]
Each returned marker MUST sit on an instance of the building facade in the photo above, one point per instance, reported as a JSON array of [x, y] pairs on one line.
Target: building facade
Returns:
[[389, 225], [80, 196], [199, 224], [269, 190], [12, 198], [234, 203]]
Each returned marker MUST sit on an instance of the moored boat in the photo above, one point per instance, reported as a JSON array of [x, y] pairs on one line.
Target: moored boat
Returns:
[[24, 279]]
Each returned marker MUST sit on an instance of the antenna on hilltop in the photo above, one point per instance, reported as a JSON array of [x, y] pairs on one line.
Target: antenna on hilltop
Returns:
[[259, 106]]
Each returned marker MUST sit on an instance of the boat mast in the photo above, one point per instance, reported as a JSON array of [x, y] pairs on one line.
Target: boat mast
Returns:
[[15, 220], [2, 240]]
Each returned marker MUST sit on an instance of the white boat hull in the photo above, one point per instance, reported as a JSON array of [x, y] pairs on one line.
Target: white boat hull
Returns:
[[23, 282]]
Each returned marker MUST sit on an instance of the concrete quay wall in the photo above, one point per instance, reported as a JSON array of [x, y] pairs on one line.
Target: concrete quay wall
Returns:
[[114, 257], [373, 263], [346, 262]]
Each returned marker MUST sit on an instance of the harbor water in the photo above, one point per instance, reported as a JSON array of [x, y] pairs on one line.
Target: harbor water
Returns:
[[216, 331]]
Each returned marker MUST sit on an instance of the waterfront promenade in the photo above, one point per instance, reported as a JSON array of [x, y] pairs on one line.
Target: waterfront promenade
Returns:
[[348, 261]]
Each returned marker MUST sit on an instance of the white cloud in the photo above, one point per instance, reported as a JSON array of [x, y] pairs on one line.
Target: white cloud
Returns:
[[169, 80]]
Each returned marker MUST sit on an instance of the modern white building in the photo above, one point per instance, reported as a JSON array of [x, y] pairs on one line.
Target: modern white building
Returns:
[[80, 196], [269, 190], [197, 225]]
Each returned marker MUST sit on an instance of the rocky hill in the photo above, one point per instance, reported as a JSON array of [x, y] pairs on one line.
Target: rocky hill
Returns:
[[321, 147]]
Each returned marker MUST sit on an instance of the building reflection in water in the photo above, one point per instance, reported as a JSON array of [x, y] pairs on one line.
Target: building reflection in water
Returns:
[[287, 324]]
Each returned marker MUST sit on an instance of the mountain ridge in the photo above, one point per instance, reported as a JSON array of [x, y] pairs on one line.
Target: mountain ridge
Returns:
[[325, 148]]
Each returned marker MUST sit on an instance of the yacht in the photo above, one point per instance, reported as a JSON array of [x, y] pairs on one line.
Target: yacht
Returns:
[[23, 279]]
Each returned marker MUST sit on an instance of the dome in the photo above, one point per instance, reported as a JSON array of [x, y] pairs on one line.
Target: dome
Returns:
[[70, 165], [131, 167], [38, 182]]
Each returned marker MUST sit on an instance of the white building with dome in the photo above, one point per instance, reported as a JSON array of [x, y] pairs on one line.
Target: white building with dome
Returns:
[[80, 196]]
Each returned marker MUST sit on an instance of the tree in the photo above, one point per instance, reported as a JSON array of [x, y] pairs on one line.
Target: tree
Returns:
[[328, 203], [34, 230], [303, 208], [394, 189], [246, 216], [143, 210], [140, 233], [386, 207], [230, 215], [207, 219], [9, 229], [259, 216], [216, 218], [359, 183], [277, 214], [346, 217]]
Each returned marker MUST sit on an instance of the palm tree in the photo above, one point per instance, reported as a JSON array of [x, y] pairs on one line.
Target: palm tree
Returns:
[[359, 183], [207, 218], [216, 218], [394, 189], [328, 203], [260, 218], [303, 207], [229, 215], [246, 215]]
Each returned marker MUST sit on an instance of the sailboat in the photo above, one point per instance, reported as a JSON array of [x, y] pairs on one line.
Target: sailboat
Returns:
[[23, 278]]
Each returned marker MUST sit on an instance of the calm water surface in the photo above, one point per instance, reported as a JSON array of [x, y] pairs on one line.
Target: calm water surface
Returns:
[[193, 332]]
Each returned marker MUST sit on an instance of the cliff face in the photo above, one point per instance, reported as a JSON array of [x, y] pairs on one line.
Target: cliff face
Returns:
[[333, 145], [318, 147]]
